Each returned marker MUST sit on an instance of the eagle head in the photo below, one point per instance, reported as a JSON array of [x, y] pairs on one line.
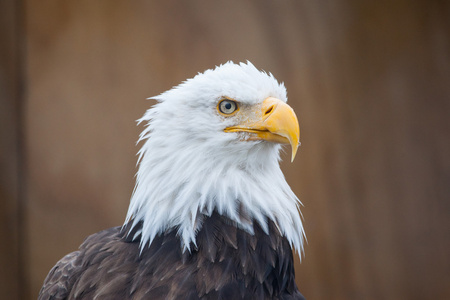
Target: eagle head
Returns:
[[212, 144]]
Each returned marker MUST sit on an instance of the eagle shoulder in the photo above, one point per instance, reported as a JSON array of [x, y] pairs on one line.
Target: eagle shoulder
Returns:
[[60, 279], [80, 273]]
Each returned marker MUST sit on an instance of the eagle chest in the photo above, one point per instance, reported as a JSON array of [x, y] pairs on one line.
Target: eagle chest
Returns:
[[228, 263]]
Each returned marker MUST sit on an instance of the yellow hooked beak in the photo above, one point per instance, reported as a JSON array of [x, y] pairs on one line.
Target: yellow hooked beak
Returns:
[[275, 122]]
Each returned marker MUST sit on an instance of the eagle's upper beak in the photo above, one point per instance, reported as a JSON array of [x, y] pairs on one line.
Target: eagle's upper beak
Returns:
[[275, 121]]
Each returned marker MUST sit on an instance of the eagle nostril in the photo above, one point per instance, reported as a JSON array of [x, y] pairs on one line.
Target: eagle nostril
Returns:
[[269, 110]]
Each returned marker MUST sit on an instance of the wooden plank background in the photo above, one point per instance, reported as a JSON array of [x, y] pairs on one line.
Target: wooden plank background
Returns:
[[369, 80], [12, 221]]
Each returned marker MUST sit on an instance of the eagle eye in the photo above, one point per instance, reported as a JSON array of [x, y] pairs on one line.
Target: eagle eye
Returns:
[[227, 107]]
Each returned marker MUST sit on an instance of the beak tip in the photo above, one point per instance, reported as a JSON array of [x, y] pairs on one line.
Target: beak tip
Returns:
[[294, 152]]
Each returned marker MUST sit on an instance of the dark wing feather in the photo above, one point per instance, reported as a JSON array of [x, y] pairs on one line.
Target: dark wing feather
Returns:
[[60, 278]]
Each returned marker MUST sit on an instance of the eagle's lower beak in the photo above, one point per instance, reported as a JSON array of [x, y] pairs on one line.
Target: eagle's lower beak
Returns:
[[276, 122]]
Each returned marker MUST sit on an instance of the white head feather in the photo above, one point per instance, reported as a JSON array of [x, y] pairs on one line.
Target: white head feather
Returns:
[[190, 166]]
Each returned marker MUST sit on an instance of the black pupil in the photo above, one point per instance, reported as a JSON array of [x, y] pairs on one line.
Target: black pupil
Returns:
[[228, 105]]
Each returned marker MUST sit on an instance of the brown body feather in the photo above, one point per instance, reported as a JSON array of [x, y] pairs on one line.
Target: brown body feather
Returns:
[[228, 263]]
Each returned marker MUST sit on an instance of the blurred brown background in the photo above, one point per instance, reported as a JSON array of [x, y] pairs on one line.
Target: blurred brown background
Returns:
[[369, 80]]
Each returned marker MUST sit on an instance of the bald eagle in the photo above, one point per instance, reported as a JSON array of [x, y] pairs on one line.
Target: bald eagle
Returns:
[[211, 215]]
